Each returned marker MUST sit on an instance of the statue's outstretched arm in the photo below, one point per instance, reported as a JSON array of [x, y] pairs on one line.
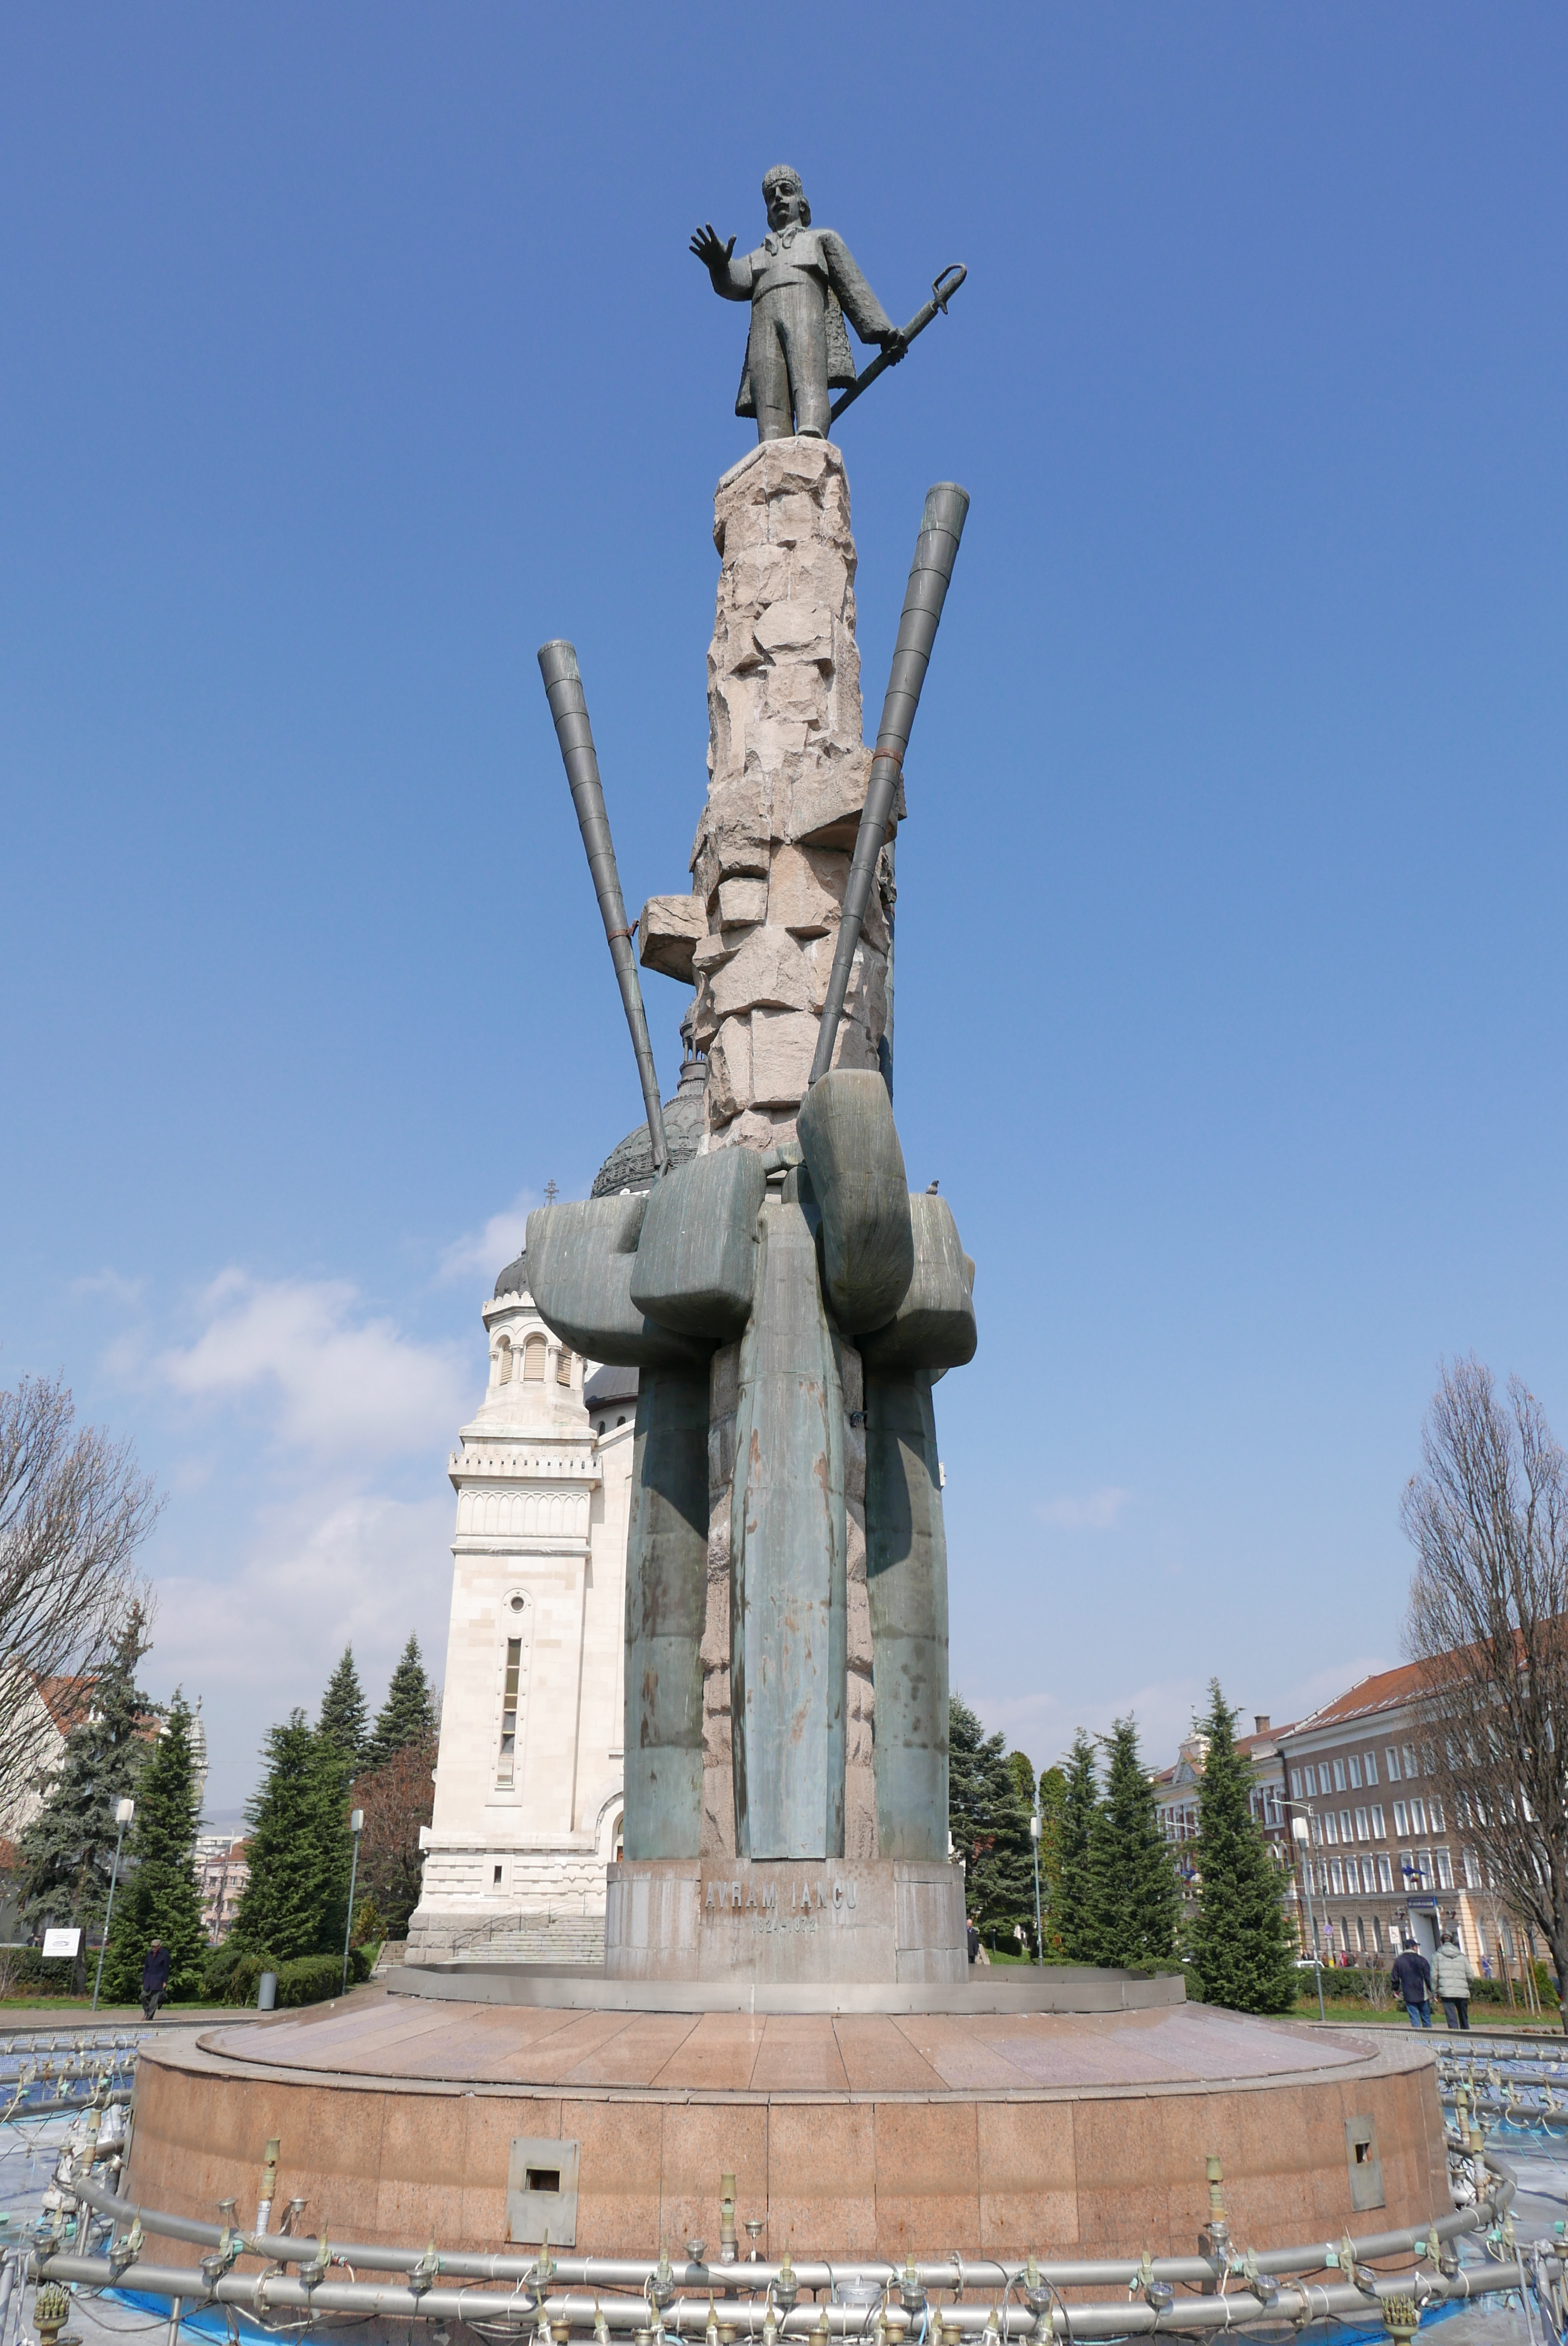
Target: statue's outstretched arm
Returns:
[[731, 277], [856, 299]]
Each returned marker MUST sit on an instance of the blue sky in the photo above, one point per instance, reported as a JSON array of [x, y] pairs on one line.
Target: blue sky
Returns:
[[351, 353]]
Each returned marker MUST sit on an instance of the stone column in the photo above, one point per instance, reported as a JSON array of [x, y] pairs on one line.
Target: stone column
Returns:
[[787, 781]]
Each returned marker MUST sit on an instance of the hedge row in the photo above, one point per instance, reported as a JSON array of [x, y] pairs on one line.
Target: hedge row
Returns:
[[26, 1972], [1370, 1985], [308, 1979]]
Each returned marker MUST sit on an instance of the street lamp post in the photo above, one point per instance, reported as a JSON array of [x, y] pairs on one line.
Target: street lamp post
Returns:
[[124, 1811], [356, 1826], [1303, 1834], [1034, 1846]]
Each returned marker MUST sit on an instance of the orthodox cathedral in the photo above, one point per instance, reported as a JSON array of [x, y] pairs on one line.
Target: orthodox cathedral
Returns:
[[529, 1776]]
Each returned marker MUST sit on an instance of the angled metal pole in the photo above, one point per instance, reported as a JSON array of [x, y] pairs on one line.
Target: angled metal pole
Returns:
[[942, 289], [108, 1913], [936, 550], [1034, 1827], [563, 685], [356, 1826]]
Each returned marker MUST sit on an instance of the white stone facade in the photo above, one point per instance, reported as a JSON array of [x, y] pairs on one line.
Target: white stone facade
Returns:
[[528, 1785]]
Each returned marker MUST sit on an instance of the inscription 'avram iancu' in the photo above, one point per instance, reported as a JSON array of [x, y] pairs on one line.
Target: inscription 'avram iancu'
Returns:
[[762, 1897]]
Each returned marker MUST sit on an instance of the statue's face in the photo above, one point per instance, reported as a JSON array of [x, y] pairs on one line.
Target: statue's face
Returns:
[[784, 203]]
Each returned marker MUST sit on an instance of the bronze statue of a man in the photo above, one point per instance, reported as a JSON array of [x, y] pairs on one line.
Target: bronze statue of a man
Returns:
[[801, 283]]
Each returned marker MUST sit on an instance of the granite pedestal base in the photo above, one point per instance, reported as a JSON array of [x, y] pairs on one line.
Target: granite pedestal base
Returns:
[[801, 1922], [856, 2136]]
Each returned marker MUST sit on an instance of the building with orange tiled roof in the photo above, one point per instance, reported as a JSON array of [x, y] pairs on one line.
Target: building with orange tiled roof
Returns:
[[1384, 1863]]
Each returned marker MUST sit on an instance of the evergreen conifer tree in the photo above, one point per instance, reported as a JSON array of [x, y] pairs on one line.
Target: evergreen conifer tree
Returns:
[[990, 1827], [1243, 1946], [1133, 1890], [344, 1715], [1079, 1807], [66, 1856], [1052, 1804], [160, 1899], [295, 1902], [408, 1714]]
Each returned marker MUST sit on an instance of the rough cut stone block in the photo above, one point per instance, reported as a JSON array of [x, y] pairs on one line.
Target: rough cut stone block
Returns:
[[825, 804], [729, 1070], [783, 1042], [742, 903], [768, 972], [806, 890], [668, 930], [804, 630], [736, 827], [711, 951], [833, 1921]]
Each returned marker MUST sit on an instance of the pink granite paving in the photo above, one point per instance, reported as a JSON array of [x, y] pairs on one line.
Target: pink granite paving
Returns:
[[934, 2053]]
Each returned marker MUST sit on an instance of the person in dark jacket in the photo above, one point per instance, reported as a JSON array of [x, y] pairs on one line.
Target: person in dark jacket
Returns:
[[1413, 1979], [154, 1978], [971, 1937]]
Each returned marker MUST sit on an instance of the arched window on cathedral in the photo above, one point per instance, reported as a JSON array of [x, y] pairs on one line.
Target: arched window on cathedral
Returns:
[[533, 1361], [563, 1367], [504, 1362]]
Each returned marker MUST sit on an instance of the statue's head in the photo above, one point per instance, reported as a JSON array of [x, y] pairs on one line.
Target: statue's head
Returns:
[[785, 196]]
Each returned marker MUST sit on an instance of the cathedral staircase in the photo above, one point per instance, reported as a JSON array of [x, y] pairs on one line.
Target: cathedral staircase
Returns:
[[537, 1935]]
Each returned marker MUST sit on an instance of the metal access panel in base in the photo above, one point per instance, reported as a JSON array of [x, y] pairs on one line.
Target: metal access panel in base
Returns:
[[801, 1922]]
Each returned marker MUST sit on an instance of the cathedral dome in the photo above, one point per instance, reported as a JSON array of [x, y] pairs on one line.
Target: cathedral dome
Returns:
[[514, 1280], [630, 1165]]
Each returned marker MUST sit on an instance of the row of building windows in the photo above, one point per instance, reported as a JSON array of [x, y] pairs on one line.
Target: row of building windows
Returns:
[[1411, 1817], [1419, 1870], [1318, 1779], [1179, 1818]]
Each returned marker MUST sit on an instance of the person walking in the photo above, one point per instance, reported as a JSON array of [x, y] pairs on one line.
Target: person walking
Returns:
[[1413, 1979], [1452, 1977], [154, 1978]]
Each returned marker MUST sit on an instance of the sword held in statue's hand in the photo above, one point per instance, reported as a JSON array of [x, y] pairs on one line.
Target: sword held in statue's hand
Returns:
[[942, 289]]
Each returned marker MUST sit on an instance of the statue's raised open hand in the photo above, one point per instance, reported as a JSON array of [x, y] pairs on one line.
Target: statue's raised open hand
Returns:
[[711, 250]]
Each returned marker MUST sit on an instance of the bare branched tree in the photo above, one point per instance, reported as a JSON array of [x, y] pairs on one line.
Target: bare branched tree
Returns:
[[397, 1798], [74, 1511], [1488, 1624]]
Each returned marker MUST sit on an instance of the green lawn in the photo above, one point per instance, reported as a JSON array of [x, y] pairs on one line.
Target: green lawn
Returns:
[[1493, 2015]]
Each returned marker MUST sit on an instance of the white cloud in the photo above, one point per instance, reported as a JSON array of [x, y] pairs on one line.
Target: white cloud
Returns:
[[318, 1574], [482, 1253], [1090, 1511], [312, 1508], [333, 1380]]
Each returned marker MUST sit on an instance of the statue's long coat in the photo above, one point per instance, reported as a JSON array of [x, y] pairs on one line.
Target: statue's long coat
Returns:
[[823, 253]]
